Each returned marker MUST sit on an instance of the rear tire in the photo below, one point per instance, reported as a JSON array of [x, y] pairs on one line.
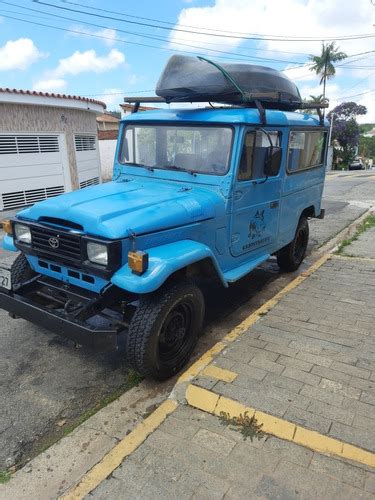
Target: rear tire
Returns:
[[164, 330], [21, 270], [290, 257]]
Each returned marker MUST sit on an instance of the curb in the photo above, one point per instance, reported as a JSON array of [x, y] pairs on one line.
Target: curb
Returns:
[[179, 394], [215, 404]]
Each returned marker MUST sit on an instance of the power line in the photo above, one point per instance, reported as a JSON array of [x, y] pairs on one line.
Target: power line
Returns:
[[257, 36], [120, 40], [123, 14], [255, 58]]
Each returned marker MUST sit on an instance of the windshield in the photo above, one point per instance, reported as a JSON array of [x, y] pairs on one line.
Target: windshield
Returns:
[[204, 150]]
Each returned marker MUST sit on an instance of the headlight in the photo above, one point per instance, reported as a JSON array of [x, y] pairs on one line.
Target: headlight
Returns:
[[97, 253], [22, 233]]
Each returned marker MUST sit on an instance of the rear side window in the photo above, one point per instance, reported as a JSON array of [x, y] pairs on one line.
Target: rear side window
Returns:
[[306, 149]]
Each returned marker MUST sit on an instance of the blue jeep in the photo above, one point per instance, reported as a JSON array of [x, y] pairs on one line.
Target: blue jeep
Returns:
[[195, 193]]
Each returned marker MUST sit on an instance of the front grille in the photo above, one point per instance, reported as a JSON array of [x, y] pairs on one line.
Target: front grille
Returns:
[[69, 245]]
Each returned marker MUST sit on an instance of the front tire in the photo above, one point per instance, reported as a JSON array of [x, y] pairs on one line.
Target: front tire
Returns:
[[164, 330], [291, 256], [21, 270]]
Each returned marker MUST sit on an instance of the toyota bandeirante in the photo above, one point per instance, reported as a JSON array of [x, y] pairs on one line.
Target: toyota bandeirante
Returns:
[[211, 191]]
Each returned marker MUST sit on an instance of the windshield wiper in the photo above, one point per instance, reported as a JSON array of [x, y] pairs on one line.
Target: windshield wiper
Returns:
[[147, 167], [181, 169]]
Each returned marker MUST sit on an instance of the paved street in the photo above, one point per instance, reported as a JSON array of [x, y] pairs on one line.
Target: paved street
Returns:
[[47, 384]]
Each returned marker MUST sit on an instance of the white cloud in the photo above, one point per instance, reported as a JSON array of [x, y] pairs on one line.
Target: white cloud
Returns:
[[112, 97], [18, 54], [294, 18], [88, 61], [52, 85], [108, 35]]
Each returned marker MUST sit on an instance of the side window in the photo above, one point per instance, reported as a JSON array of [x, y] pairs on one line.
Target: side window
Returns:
[[306, 149], [254, 153], [245, 171]]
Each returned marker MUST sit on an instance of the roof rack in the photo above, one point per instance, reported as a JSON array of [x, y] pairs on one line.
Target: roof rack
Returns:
[[252, 100]]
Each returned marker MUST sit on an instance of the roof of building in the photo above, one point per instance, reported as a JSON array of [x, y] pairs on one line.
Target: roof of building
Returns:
[[228, 115], [107, 135], [129, 107], [49, 99], [107, 118]]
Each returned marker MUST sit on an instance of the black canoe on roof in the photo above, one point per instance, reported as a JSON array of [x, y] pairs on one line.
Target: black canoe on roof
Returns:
[[196, 79]]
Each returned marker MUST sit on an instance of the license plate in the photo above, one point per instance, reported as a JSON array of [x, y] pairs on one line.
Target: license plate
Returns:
[[5, 279]]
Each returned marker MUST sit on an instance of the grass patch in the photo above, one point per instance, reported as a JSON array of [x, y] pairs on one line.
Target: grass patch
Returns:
[[4, 476], [366, 224], [247, 426]]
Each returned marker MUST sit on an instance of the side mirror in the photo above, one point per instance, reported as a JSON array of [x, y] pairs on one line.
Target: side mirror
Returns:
[[272, 161]]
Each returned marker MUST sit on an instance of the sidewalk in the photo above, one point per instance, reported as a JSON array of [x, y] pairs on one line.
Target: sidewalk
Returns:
[[305, 371]]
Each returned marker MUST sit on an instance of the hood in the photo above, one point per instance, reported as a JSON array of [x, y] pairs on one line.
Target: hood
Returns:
[[112, 209]]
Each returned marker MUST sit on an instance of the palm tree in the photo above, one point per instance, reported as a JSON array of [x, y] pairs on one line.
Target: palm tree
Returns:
[[323, 65]]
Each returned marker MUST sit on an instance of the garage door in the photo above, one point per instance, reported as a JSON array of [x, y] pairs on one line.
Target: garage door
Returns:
[[87, 158], [32, 168]]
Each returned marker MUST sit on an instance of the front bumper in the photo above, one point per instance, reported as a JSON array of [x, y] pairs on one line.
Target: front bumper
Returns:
[[80, 328]]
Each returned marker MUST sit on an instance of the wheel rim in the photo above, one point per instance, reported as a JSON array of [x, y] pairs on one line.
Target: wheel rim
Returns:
[[175, 333], [300, 245]]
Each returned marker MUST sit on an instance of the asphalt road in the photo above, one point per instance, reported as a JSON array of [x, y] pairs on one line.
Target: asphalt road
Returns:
[[48, 385]]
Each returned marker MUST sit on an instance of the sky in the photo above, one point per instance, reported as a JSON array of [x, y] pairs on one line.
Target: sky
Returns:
[[116, 48]]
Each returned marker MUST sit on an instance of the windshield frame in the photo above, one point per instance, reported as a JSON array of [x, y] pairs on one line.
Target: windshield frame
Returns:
[[176, 124]]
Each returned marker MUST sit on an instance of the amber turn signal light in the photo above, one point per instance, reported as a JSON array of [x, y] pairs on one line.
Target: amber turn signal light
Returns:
[[138, 262], [7, 226]]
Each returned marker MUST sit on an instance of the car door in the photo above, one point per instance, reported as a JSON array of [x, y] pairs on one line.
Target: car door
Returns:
[[256, 198]]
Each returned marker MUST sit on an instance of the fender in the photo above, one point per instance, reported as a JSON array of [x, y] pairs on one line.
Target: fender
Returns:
[[8, 243], [164, 260]]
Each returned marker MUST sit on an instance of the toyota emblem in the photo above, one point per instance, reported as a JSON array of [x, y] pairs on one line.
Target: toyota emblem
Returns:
[[54, 242]]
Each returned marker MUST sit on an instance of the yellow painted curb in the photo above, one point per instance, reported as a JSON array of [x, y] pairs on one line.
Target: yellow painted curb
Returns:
[[219, 373], [124, 448], [201, 363], [213, 403]]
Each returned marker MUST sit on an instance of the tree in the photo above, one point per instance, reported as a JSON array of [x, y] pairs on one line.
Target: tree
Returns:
[[345, 129], [323, 65]]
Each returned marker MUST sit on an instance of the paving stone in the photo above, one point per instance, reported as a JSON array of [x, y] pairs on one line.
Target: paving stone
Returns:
[[281, 349], [314, 359], [343, 471], [364, 422], [252, 398], [359, 437], [350, 370], [214, 441], [340, 388], [248, 375], [266, 364], [307, 378], [370, 482], [321, 395], [308, 419], [254, 459], [295, 363], [283, 382], [331, 412], [288, 451], [368, 397], [205, 382], [359, 407], [225, 363], [331, 374], [302, 479], [173, 426], [270, 487]]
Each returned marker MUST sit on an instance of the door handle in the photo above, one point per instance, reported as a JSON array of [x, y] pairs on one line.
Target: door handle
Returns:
[[274, 204]]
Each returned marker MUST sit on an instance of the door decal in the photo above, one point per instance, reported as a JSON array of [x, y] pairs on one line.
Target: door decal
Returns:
[[257, 227]]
